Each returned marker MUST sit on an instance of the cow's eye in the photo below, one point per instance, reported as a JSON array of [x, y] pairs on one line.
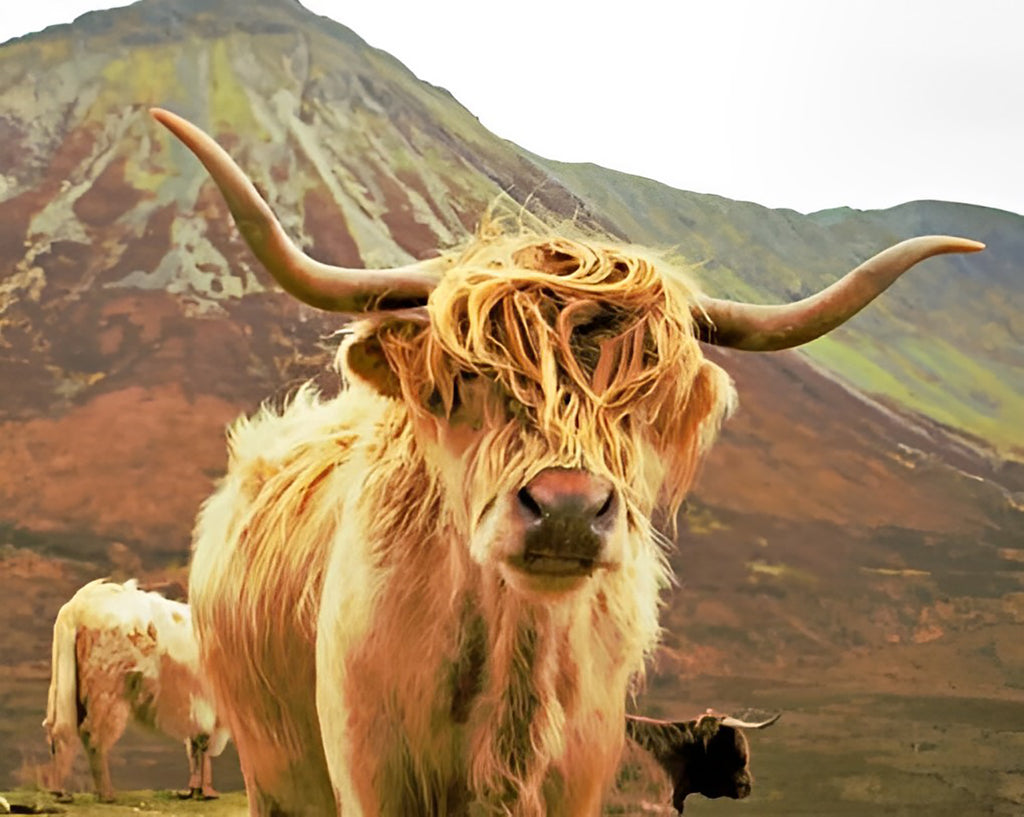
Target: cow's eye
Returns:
[[435, 402], [457, 389], [600, 323]]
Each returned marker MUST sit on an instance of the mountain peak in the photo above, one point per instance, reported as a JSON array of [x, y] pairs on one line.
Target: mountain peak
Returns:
[[155, 20], [228, 6]]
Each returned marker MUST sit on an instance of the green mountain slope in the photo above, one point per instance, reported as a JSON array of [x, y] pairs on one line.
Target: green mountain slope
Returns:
[[946, 342]]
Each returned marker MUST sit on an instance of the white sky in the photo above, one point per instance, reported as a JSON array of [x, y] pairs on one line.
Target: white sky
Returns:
[[790, 103]]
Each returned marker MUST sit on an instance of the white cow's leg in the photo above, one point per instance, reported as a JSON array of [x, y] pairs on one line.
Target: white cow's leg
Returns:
[[99, 766]]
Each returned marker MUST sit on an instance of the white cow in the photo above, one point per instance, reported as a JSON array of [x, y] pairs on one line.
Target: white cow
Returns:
[[118, 653]]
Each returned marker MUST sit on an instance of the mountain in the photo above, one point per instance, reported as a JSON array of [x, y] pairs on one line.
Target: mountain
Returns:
[[854, 549]]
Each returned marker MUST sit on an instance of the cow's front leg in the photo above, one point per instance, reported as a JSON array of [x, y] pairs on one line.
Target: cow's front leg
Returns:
[[200, 768], [63, 748], [206, 779], [193, 771], [598, 751]]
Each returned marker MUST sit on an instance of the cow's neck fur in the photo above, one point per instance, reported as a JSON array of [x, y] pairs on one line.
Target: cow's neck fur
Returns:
[[497, 696]]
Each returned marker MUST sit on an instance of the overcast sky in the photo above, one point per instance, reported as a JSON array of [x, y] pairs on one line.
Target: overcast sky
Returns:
[[805, 104]]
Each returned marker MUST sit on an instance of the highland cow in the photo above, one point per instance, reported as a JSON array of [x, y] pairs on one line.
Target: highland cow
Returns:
[[708, 755], [122, 654], [433, 593]]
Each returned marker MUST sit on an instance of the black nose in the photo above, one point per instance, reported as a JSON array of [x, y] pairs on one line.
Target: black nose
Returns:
[[567, 493], [568, 515]]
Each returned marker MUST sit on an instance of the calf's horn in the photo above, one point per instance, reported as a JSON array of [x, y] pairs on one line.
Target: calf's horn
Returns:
[[757, 328], [335, 289]]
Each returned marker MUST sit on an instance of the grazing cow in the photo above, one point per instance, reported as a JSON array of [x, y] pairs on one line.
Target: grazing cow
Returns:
[[122, 653], [708, 755], [431, 594]]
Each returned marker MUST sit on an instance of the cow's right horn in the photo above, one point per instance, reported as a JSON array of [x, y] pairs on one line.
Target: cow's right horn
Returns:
[[335, 289], [764, 328]]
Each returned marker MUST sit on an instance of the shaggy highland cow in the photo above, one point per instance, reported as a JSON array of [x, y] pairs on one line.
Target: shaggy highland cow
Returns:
[[120, 654], [431, 594], [708, 755]]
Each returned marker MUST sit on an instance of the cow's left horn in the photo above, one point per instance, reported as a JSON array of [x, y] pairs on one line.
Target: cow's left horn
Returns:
[[757, 328], [336, 289]]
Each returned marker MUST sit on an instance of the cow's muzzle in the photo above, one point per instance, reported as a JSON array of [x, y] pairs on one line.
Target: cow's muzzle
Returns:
[[567, 516]]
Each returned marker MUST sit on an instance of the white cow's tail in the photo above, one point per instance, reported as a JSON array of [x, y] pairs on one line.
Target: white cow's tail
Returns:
[[62, 703]]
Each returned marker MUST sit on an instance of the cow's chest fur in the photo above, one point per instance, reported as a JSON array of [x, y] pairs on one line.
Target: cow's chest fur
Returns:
[[486, 710], [458, 695]]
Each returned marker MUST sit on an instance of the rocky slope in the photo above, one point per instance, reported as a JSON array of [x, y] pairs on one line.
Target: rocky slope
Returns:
[[859, 525]]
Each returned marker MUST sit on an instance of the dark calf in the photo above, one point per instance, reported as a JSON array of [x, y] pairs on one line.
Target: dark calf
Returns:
[[708, 756]]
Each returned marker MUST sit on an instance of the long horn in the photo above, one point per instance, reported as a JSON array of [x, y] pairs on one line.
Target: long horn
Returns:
[[736, 723], [335, 289], [757, 328]]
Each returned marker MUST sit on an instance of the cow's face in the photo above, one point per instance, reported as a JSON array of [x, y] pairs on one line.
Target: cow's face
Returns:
[[559, 394]]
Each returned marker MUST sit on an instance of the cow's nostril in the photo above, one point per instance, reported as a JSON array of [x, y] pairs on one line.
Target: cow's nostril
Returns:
[[530, 504], [561, 493]]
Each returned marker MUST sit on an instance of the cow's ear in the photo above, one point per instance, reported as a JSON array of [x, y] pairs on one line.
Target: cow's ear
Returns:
[[383, 350], [689, 427], [364, 360]]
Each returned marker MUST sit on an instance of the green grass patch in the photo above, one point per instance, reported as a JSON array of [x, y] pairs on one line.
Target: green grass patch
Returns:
[[230, 804], [931, 377]]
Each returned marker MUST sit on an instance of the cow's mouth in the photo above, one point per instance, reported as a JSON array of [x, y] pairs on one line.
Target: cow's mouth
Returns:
[[555, 565]]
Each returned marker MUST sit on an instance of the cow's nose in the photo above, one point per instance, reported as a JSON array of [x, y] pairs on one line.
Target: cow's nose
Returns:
[[567, 493]]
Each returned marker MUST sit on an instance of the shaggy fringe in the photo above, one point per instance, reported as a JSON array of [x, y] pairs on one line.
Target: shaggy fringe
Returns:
[[594, 343]]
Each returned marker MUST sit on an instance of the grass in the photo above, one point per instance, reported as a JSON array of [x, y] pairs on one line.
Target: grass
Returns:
[[231, 804]]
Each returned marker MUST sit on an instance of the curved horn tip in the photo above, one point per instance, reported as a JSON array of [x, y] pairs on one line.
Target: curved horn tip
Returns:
[[179, 126], [972, 246], [957, 244], [737, 723], [162, 115], [187, 131]]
